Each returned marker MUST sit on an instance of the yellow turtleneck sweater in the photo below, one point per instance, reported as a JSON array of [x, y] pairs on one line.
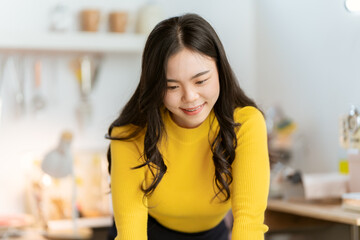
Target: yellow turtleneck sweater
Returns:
[[183, 199]]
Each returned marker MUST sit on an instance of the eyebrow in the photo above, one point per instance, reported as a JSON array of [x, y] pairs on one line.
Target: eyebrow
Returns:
[[195, 76]]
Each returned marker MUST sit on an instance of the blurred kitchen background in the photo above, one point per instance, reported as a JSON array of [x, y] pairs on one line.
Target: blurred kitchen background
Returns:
[[299, 58], [28, 131]]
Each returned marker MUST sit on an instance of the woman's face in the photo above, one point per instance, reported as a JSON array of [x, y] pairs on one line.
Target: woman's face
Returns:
[[192, 87]]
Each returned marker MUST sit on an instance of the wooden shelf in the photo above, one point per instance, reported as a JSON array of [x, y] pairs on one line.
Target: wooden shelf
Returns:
[[73, 42]]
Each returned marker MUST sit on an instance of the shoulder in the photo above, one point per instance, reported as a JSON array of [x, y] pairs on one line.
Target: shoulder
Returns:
[[251, 121], [248, 113], [124, 132], [123, 145], [252, 127]]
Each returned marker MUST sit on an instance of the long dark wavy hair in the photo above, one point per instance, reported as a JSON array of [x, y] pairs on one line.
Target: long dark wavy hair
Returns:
[[143, 110]]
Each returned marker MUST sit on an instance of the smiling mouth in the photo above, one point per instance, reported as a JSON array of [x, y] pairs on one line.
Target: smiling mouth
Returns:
[[193, 109]]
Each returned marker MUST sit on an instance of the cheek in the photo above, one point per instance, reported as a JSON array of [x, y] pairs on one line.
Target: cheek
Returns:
[[215, 91], [169, 100]]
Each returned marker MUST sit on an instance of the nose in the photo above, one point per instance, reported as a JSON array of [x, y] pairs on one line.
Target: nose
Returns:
[[190, 94]]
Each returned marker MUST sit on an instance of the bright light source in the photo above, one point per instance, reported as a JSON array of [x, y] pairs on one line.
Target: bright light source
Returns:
[[46, 180], [352, 5]]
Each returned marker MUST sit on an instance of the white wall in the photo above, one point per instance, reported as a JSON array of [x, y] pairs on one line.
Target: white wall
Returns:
[[31, 136], [308, 63], [234, 22]]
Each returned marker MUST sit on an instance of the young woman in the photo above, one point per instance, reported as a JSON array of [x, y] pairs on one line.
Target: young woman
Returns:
[[189, 145]]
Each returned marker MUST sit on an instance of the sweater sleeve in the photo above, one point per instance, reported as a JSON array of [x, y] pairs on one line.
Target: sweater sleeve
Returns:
[[130, 211], [251, 173]]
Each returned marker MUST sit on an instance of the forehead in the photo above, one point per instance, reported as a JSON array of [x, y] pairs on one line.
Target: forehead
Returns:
[[186, 63]]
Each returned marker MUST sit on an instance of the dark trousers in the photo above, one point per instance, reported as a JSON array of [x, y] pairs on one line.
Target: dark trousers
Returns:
[[158, 232]]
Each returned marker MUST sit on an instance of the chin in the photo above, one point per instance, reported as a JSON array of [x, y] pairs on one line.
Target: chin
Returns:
[[195, 122]]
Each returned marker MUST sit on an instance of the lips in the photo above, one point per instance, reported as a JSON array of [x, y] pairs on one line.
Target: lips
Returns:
[[194, 110]]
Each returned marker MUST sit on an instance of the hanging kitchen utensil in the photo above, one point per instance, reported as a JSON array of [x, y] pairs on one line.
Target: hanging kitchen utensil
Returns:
[[2, 79], [19, 85], [38, 100], [86, 77], [84, 110], [86, 69]]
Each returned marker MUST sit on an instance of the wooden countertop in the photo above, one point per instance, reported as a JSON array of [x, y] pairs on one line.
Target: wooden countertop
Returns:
[[318, 210]]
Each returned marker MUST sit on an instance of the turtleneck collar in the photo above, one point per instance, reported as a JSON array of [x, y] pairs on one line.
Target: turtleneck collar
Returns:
[[188, 135]]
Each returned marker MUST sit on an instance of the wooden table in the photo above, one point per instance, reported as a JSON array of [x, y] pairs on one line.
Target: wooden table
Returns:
[[332, 212], [28, 234], [99, 226]]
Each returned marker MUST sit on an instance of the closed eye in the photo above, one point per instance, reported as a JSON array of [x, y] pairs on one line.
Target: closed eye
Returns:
[[201, 81], [172, 87]]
